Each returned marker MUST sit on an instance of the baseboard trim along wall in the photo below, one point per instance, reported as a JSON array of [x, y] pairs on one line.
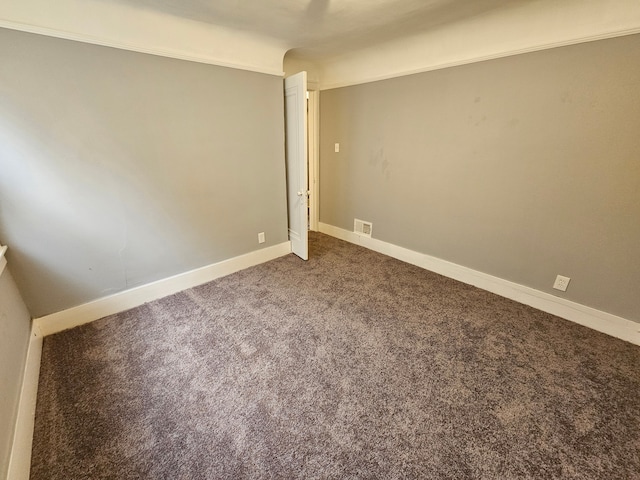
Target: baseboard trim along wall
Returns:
[[119, 302], [604, 322], [20, 457]]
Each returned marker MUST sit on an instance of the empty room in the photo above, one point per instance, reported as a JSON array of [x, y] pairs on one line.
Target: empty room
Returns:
[[319, 239]]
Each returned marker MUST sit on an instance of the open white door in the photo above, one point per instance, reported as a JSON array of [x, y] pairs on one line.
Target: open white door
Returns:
[[295, 105]]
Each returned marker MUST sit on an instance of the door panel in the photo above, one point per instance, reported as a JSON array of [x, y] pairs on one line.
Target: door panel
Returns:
[[295, 100]]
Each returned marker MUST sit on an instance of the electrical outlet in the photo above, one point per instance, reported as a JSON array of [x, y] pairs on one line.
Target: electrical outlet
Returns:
[[561, 283], [336, 148], [261, 237]]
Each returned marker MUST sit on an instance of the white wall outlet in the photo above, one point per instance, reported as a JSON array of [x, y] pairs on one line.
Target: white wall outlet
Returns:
[[336, 147], [561, 283], [261, 237]]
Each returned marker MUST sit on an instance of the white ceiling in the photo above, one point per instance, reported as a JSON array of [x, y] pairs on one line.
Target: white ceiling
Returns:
[[323, 28]]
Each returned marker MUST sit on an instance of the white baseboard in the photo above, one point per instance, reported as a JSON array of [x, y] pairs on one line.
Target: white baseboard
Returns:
[[604, 322], [20, 457], [119, 302]]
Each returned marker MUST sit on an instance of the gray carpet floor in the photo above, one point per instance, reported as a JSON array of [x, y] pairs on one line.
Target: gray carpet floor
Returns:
[[351, 365]]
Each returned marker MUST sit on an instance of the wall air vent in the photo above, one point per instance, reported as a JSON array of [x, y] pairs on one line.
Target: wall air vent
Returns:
[[362, 228]]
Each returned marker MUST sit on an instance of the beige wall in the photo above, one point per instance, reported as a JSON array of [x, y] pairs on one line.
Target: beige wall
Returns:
[[523, 167], [15, 324], [119, 168]]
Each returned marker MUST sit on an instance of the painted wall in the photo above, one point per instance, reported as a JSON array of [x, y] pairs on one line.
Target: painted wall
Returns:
[[522, 167], [120, 168], [15, 324]]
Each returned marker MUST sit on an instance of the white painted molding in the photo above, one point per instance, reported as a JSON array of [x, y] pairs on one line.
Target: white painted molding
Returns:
[[515, 29], [313, 129], [20, 456], [122, 26], [604, 322], [344, 81], [3, 260], [134, 297], [521, 28]]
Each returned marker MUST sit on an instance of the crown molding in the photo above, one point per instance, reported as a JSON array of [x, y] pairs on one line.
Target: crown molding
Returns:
[[456, 63], [513, 30], [522, 28], [145, 31]]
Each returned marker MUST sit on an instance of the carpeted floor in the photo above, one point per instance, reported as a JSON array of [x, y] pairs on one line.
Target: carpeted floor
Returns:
[[351, 365]]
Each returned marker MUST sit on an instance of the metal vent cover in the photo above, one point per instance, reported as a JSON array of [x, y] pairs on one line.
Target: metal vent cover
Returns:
[[362, 227]]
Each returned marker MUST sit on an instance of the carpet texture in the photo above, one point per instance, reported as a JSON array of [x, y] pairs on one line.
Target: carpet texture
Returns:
[[351, 365]]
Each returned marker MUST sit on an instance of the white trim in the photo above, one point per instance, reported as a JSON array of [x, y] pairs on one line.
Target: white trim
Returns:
[[161, 52], [3, 261], [476, 59], [314, 158], [20, 457], [604, 322], [119, 302]]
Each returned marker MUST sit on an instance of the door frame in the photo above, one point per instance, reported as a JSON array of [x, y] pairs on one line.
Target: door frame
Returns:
[[313, 138]]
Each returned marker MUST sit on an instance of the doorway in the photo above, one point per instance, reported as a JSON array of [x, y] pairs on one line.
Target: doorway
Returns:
[[313, 157]]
